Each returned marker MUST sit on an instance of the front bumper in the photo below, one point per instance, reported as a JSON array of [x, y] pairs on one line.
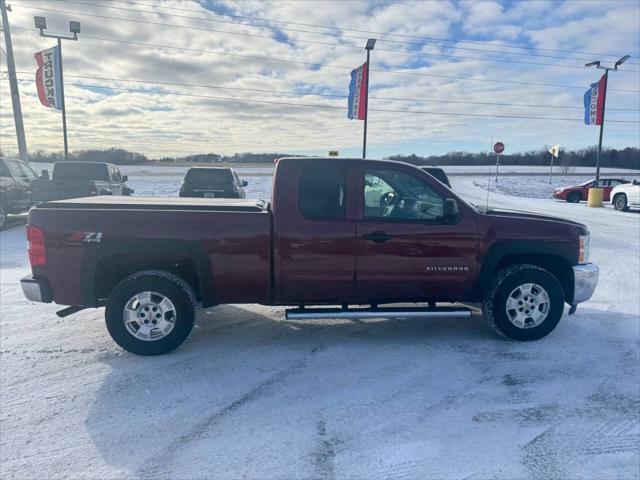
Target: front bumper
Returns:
[[585, 279], [36, 290]]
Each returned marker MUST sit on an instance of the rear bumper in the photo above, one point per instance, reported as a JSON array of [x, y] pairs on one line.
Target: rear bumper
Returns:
[[585, 279], [36, 290]]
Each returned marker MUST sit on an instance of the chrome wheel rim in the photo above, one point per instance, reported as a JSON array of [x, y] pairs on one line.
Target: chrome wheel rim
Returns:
[[149, 316], [528, 305], [620, 203]]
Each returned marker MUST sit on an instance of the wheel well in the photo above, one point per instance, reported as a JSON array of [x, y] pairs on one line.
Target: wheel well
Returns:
[[619, 194], [558, 266], [111, 271], [574, 194]]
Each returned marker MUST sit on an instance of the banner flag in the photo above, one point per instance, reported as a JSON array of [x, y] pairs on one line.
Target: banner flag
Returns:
[[555, 150], [48, 78], [357, 93], [594, 102]]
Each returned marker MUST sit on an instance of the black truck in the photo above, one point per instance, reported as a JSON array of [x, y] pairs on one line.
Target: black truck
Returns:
[[79, 179], [16, 179]]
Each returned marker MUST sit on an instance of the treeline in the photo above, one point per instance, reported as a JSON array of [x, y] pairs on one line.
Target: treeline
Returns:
[[624, 158], [118, 156], [615, 158]]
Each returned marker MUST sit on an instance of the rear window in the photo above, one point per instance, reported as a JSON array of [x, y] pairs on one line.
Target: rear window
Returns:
[[321, 193], [209, 176], [80, 171]]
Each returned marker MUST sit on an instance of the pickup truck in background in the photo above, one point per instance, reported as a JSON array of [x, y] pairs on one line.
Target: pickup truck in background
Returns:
[[16, 179], [338, 234], [80, 179], [212, 182]]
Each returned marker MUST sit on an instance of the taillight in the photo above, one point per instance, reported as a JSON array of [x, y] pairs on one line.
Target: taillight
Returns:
[[37, 255]]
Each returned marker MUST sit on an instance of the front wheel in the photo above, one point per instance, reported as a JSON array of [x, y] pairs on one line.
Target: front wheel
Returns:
[[524, 302], [151, 312], [620, 202], [574, 197]]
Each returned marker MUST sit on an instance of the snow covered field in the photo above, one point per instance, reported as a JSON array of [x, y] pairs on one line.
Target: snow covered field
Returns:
[[251, 395]]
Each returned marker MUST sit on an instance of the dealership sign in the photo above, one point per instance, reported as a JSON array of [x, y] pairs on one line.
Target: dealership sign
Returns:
[[49, 77]]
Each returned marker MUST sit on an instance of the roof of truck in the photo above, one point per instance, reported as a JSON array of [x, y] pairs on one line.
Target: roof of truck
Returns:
[[108, 202]]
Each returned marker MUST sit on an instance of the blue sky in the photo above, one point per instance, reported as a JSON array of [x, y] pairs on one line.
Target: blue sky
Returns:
[[444, 57]]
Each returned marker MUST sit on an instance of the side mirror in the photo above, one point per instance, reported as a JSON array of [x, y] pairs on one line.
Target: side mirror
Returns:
[[451, 211], [44, 175], [244, 183], [125, 178]]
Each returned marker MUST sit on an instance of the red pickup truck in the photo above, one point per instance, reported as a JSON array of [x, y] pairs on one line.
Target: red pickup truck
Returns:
[[355, 234]]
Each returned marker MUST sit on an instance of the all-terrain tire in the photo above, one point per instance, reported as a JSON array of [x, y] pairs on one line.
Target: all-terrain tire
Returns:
[[620, 202], [574, 197], [494, 306], [176, 290]]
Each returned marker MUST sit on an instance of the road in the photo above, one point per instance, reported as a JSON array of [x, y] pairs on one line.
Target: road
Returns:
[[254, 396]]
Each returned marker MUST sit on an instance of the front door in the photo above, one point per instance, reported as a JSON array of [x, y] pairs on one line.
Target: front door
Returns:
[[405, 251], [316, 236]]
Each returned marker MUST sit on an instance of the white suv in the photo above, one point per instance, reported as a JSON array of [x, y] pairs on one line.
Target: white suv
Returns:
[[626, 196]]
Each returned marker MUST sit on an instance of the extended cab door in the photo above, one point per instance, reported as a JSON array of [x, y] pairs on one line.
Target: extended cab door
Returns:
[[314, 232], [404, 249]]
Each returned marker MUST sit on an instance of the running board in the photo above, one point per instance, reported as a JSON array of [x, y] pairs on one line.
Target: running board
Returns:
[[365, 313]]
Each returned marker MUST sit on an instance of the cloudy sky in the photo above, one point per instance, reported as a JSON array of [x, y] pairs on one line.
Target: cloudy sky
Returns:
[[168, 77]]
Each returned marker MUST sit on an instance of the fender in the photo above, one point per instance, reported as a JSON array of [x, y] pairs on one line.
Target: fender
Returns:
[[500, 249], [194, 251]]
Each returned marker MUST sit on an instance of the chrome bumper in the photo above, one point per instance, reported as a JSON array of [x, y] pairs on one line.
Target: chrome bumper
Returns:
[[36, 290], [585, 279]]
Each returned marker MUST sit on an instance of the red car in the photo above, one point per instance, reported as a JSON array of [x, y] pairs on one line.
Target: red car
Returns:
[[581, 192]]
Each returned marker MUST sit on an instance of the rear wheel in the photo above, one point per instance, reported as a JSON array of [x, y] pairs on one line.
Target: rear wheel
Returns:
[[620, 202], [524, 302], [151, 312], [574, 197]]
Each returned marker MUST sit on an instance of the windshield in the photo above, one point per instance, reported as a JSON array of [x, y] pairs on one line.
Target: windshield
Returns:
[[210, 176]]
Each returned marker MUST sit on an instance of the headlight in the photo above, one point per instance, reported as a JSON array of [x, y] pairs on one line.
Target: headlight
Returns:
[[583, 254]]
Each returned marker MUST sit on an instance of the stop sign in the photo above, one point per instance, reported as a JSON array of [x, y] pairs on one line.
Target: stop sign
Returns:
[[498, 147]]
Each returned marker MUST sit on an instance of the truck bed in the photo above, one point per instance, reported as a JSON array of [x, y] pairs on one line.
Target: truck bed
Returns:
[[109, 202]]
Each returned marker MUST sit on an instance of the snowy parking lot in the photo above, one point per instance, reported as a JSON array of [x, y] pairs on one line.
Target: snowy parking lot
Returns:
[[251, 395]]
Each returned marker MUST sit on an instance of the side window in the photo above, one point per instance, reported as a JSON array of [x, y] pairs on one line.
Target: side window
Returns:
[[115, 174], [603, 183], [4, 171], [15, 169], [393, 194], [321, 193]]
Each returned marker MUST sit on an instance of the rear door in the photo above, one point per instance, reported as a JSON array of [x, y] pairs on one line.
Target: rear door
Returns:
[[404, 249], [315, 233]]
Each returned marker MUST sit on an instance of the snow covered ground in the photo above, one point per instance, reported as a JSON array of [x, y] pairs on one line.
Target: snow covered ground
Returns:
[[251, 395]]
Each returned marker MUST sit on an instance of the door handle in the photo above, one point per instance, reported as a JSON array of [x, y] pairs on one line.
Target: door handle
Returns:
[[378, 237]]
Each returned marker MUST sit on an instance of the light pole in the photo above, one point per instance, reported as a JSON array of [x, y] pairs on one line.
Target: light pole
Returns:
[[74, 28], [604, 100], [13, 83], [368, 47]]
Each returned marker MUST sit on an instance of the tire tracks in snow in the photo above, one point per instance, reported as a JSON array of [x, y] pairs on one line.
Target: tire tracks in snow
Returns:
[[152, 469]]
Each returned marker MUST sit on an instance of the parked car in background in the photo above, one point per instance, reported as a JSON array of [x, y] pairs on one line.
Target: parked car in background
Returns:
[[438, 174], [626, 195], [80, 179], [581, 192], [212, 182], [16, 178]]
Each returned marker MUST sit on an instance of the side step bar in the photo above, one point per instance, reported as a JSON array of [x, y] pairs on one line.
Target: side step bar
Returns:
[[365, 313]]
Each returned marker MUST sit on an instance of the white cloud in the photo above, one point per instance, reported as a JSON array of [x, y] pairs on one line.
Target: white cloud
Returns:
[[161, 123]]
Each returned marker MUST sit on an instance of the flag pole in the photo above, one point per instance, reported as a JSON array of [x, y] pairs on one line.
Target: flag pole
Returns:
[[604, 102], [64, 111], [369, 46], [551, 171]]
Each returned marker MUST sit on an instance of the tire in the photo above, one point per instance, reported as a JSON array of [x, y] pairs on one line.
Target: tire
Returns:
[[574, 197], [152, 286], [3, 216], [503, 293], [620, 202]]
